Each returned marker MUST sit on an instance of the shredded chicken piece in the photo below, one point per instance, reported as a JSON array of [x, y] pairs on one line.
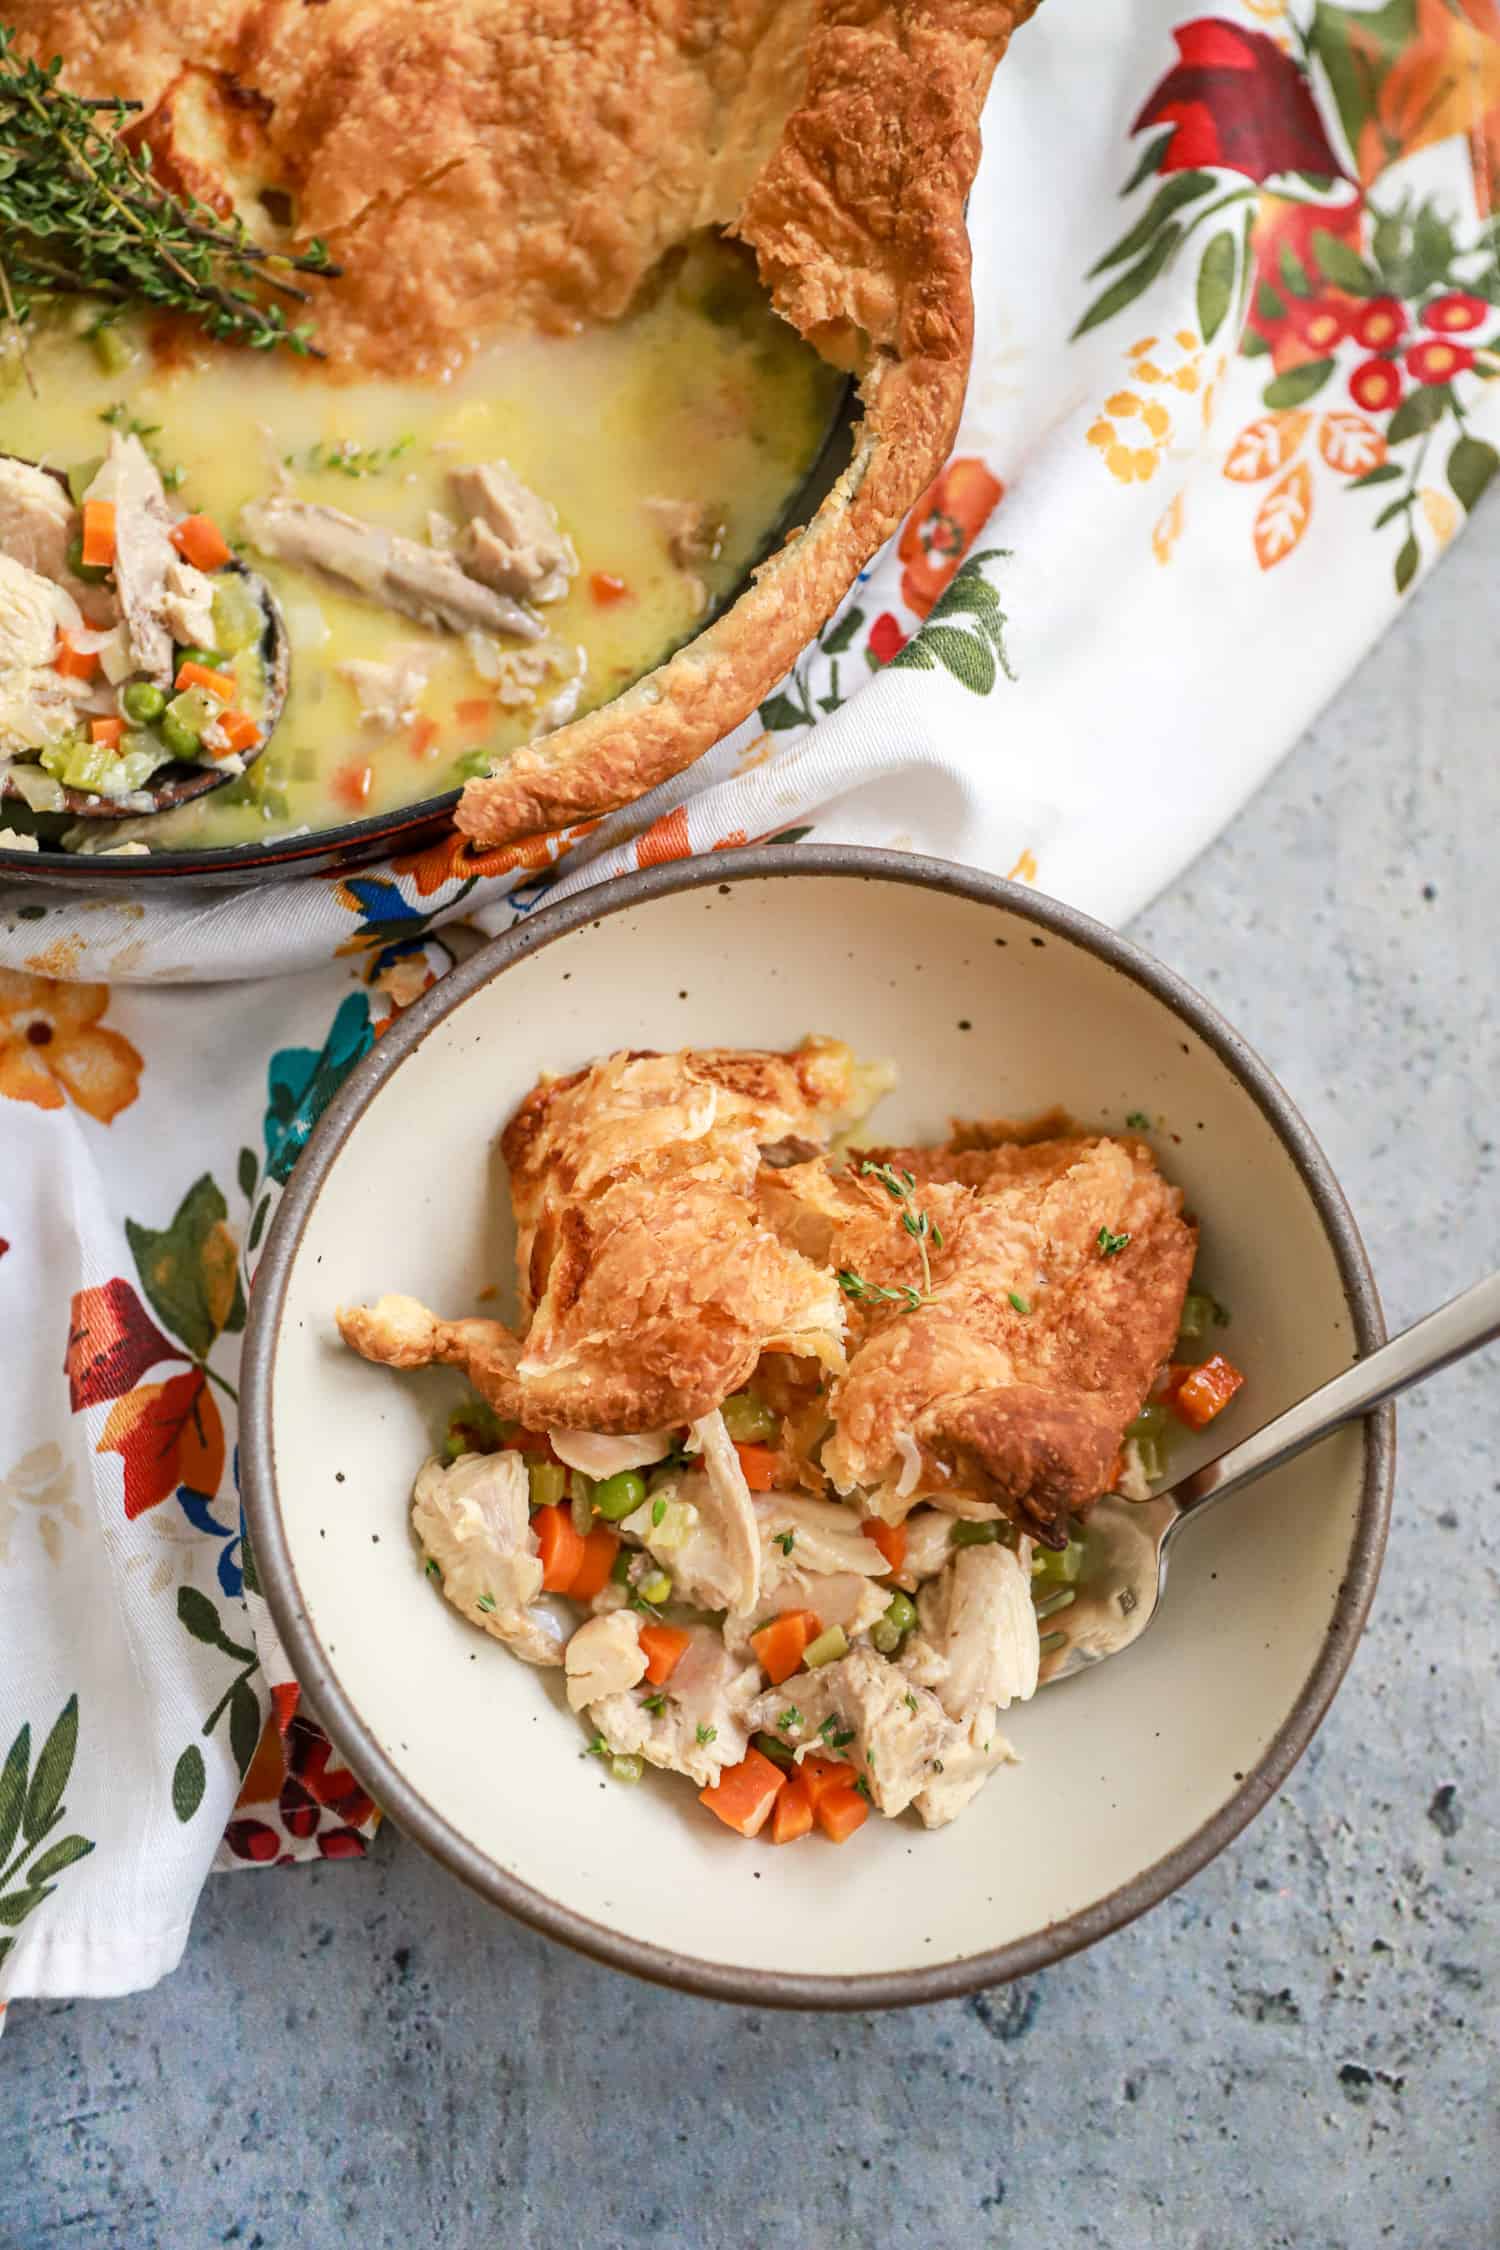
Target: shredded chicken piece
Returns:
[[153, 583], [424, 583], [37, 518], [473, 1521], [607, 1456], [867, 1711], [28, 617], [604, 1658], [388, 693], [692, 531], [978, 1645], [730, 1512], [957, 1777], [702, 1724], [511, 540]]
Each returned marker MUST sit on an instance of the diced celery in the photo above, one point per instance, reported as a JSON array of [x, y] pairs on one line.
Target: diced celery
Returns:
[[770, 1746], [82, 475], [239, 620], [679, 1520], [1149, 1423], [1058, 1566], [191, 711], [110, 348], [1050, 1604], [1151, 1453], [37, 789], [827, 1648], [549, 1482], [625, 1769], [966, 1534], [748, 1419]]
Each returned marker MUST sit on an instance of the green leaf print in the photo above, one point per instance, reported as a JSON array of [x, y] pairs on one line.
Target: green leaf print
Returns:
[[51, 1776], [1419, 412], [776, 714], [1182, 188], [13, 1791], [965, 655], [1406, 563], [1132, 283], [1150, 162], [1471, 465], [197, 1613], [244, 1725], [1343, 266], [189, 1780], [30, 1808], [968, 656], [188, 1270], [842, 635], [1216, 277], [1298, 383], [248, 1172]]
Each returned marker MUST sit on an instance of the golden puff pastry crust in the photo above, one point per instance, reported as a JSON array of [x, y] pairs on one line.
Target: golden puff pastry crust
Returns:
[[650, 1285], [477, 164]]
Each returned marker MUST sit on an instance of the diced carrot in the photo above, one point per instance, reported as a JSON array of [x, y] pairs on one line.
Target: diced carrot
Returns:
[[423, 738], [819, 1775], [781, 1644], [199, 541], [840, 1812], [98, 534], [890, 1538], [534, 1442], [107, 732], [662, 1646], [222, 685], [607, 589], [561, 1546], [1205, 1391], [352, 783], [760, 1463], [475, 713], [743, 1795], [592, 1575], [74, 663], [239, 729], [793, 1816]]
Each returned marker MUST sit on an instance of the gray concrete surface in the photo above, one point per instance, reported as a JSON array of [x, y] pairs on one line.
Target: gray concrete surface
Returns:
[[1295, 2053]]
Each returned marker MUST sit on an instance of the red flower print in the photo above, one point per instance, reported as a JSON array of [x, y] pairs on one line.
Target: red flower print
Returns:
[[1457, 311], [1284, 233], [1379, 323], [252, 1839], [1375, 385], [1322, 323], [1238, 104], [941, 529], [1435, 360], [886, 638]]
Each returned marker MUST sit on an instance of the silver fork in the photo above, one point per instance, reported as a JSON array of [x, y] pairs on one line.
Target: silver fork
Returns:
[[1126, 1543]]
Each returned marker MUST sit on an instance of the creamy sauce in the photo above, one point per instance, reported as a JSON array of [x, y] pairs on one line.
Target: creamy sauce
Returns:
[[701, 395]]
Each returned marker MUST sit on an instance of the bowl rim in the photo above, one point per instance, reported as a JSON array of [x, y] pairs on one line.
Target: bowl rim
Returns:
[[404, 1803]]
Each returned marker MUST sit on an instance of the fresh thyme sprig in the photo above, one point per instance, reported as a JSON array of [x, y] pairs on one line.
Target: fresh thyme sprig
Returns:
[[919, 1224], [81, 214]]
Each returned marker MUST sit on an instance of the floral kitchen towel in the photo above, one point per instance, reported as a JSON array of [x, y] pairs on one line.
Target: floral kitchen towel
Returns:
[[1237, 279]]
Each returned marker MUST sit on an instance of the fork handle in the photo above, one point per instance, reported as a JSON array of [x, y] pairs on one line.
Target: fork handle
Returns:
[[1465, 1324]]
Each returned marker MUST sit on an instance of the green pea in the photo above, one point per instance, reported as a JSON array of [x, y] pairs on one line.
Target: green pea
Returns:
[[180, 740], [901, 1611], [92, 574], [143, 701], [885, 1636], [656, 1589], [748, 1419], [966, 1534], [620, 1495], [209, 658]]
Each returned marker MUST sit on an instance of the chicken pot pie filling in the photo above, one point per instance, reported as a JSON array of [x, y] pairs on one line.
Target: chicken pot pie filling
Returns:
[[788, 1460], [584, 299]]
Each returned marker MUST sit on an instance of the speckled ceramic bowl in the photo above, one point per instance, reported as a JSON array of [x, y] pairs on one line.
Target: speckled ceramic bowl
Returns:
[[991, 1000]]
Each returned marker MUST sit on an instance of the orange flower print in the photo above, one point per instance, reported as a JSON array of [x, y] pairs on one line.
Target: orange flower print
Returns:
[[52, 1044], [942, 527], [456, 857]]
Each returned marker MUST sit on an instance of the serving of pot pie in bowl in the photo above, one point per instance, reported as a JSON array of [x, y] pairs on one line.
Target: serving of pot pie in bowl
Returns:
[[776, 1496], [567, 317]]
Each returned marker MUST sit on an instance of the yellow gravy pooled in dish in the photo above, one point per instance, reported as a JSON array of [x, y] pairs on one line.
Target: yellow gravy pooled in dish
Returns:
[[668, 445]]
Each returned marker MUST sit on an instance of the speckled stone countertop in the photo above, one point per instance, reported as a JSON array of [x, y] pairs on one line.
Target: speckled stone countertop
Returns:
[[1297, 2052]]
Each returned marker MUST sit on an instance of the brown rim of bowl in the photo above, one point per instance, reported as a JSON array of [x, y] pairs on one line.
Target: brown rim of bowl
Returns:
[[410, 1811]]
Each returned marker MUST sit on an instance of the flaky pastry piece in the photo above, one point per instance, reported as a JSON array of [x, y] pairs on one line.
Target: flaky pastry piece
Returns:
[[650, 1285], [1058, 1271]]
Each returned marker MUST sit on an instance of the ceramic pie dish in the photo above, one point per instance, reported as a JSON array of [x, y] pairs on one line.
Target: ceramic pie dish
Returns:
[[989, 1000], [538, 218]]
